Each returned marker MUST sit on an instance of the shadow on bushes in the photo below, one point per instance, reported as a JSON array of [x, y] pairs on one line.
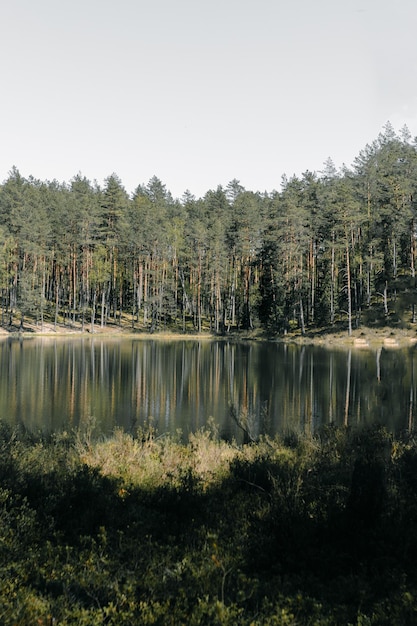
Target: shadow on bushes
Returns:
[[323, 529]]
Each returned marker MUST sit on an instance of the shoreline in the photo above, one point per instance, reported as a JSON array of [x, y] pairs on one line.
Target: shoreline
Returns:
[[362, 338]]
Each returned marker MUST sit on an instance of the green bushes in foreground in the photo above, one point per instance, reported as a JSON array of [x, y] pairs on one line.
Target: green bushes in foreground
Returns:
[[147, 530]]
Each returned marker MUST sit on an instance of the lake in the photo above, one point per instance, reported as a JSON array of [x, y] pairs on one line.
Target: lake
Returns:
[[51, 384]]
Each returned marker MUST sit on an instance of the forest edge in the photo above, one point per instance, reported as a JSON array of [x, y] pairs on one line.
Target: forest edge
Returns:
[[362, 338]]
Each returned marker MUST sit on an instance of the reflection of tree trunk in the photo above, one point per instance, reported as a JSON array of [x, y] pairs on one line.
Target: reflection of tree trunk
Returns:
[[378, 364], [301, 392], [300, 367], [347, 398], [331, 367], [411, 403], [312, 425]]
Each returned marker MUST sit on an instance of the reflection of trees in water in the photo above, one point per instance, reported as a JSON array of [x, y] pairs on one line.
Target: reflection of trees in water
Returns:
[[347, 396], [411, 401], [349, 387], [49, 384]]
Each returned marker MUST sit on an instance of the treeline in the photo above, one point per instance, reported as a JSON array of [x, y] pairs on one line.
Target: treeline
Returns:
[[338, 246]]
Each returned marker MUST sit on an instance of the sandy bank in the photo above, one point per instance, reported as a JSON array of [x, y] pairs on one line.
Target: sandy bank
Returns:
[[363, 338]]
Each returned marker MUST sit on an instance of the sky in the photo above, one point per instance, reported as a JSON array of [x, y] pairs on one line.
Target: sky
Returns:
[[200, 92]]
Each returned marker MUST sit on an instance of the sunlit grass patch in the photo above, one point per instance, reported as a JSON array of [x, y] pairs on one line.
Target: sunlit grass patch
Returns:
[[148, 460]]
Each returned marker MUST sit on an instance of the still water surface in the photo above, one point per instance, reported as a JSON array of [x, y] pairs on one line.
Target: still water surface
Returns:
[[58, 384]]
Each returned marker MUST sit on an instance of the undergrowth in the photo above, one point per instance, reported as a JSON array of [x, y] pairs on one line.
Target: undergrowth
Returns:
[[148, 530]]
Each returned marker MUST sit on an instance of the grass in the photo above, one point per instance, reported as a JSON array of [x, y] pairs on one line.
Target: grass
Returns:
[[147, 530]]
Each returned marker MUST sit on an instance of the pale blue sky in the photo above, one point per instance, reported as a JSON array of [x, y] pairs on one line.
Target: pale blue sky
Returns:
[[198, 92]]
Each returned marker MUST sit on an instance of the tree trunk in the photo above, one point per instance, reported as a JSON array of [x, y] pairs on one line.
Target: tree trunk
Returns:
[[332, 282], [56, 303], [385, 297], [199, 278], [349, 294], [43, 290], [103, 304], [312, 280], [303, 330], [74, 284], [93, 311]]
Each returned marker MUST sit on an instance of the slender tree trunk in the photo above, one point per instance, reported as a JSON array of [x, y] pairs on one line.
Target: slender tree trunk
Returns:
[[312, 279], [56, 304], [74, 284], [332, 281], [247, 316], [303, 329], [93, 311], [234, 294], [146, 291], [199, 278], [43, 290], [217, 298], [103, 306], [349, 293], [140, 288], [357, 313]]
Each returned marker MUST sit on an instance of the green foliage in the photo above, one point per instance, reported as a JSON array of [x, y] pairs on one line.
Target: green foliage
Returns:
[[307, 531], [336, 246]]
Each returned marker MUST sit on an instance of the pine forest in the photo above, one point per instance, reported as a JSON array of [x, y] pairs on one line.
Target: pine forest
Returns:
[[334, 249]]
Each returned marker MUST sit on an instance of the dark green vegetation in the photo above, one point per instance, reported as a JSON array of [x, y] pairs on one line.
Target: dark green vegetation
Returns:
[[335, 249], [148, 531]]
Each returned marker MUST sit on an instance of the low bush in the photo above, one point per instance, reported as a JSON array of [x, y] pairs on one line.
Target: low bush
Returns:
[[146, 530]]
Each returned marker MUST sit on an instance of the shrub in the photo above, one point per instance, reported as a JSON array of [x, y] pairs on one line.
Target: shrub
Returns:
[[144, 530]]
